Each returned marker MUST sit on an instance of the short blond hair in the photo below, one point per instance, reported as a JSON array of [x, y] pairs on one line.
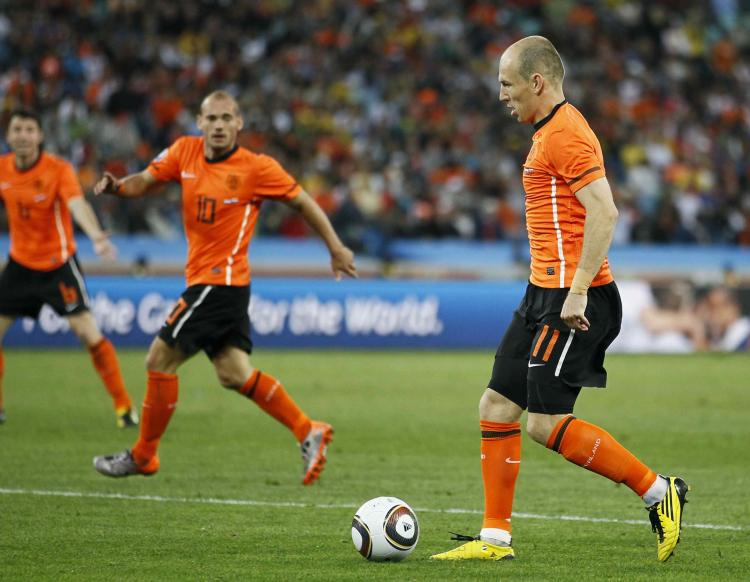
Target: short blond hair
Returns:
[[220, 96], [536, 54]]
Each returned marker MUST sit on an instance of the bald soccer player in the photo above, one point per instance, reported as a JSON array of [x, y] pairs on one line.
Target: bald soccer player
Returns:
[[570, 314]]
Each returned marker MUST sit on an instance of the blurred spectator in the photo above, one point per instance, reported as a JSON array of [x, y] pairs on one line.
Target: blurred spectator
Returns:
[[728, 329], [391, 107], [670, 325], [669, 319]]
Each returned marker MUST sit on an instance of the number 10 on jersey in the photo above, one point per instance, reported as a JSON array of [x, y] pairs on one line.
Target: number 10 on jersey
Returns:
[[206, 209]]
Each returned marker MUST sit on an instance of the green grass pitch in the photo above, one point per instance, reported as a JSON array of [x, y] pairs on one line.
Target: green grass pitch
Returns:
[[227, 503]]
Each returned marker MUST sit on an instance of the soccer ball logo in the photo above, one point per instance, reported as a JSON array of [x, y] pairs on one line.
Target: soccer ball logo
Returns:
[[385, 529]]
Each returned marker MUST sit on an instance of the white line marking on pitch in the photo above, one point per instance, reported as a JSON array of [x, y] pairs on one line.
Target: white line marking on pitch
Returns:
[[252, 502]]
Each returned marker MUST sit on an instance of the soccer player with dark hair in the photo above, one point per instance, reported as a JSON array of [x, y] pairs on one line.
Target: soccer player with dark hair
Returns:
[[223, 187], [570, 313], [41, 192]]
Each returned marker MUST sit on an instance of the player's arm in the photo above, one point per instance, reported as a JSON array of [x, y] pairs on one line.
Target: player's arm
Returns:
[[85, 217], [342, 258], [130, 186], [598, 230]]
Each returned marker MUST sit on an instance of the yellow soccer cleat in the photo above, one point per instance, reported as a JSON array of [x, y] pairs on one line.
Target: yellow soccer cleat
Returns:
[[476, 549], [666, 517]]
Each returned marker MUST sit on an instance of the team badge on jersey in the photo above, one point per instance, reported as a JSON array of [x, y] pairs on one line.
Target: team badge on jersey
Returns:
[[233, 181]]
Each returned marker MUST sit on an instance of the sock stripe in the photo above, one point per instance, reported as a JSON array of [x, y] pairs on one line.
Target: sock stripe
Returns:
[[249, 393], [499, 434], [561, 432]]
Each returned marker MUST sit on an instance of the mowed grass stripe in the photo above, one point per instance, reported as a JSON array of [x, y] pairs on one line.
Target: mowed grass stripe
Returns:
[[294, 504]]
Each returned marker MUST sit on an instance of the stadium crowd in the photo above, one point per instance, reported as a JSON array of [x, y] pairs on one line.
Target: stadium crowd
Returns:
[[388, 111]]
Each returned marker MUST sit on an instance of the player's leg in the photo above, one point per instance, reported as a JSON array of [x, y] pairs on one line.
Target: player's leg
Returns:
[[106, 364], [500, 409], [159, 404], [562, 362], [235, 372], [593, 448], [500, 459], [559, 369], [19, 297], [196, 321], [5, 323], [160, 401], [64, 290], [175, 343]]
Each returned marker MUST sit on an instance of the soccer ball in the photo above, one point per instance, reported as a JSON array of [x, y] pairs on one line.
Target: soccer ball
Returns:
[[385, 529]]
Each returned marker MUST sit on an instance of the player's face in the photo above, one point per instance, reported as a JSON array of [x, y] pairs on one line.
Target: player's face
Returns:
[[515, 91], [24, 137], [220, 122]]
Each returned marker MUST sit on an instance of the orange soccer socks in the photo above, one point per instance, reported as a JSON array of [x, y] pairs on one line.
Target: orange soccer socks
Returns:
[[593, 448], [105, 361], [268, 393], [501, 458], [158, 406]]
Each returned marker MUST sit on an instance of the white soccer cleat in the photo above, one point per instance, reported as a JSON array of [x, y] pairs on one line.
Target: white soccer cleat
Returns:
[[313, 450]]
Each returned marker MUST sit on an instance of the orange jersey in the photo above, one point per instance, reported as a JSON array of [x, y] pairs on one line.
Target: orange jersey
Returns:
[[36, 201], [565, 156], [220, 204]]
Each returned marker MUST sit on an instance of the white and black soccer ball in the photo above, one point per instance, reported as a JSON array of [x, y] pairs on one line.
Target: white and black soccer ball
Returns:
[[385, 529]]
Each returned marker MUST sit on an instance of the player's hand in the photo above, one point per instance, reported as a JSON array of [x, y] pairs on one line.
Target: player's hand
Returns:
[[108, 184], [573, 312], [105, 248], [342, 263]]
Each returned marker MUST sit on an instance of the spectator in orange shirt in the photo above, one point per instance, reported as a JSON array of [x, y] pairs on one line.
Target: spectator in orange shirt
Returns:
[[223, 187], [41, 192]]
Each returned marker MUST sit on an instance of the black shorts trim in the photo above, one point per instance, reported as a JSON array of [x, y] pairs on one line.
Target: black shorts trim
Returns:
[[209, 318], [23, 291], [541, 364]]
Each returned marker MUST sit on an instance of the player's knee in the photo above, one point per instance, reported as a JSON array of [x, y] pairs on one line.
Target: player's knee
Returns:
[[158, 361], [539, 427], [152, 361], [495, 407], [486, 405], [229, 380], [85, 329]]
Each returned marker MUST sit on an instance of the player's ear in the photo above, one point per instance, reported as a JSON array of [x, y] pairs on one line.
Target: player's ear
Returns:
[[537, 83], [199, 121]]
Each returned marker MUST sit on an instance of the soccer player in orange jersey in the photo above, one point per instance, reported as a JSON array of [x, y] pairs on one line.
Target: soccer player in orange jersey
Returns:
[[223, 187], [570, 314], [41, 192]]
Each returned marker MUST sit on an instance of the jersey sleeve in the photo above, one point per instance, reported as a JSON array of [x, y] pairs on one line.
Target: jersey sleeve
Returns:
[[573, 154], [68, 185], [272, 181], [166, 166]]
